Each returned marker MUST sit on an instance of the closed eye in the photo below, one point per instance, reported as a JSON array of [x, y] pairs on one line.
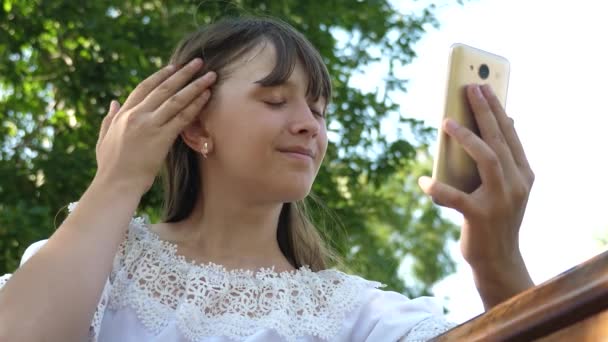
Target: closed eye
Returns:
[[275, 104], [282, 103], [317, 113]]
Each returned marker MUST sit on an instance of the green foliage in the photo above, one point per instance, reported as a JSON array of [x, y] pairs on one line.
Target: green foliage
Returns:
[[61, 62]]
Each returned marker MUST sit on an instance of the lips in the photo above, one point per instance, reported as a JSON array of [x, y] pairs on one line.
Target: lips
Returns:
[[299, 150]]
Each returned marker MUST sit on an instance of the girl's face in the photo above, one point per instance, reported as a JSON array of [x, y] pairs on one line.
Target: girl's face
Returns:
[[268, 142]]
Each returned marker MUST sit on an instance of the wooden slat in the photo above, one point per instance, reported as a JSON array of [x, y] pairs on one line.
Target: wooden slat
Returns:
[[592, 329], [573, 296]]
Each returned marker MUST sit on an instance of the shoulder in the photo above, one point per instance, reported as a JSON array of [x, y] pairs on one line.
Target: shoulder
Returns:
[[390, 316], [134, 233], [31, 250]]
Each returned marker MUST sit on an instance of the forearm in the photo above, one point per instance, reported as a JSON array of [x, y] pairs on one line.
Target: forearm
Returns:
[[53, 296], [499, 282]]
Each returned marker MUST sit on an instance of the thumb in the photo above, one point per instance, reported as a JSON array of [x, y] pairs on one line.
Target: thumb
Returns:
[[105, 124], [114, 107], [445, 195]]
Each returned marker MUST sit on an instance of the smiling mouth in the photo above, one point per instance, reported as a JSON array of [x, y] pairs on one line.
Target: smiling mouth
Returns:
[[298, 149], [297, 155]]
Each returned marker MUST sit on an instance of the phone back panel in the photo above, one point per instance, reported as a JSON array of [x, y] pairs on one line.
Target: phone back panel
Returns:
[[452, 164]]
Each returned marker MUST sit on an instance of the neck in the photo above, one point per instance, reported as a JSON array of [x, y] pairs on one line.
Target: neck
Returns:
[[233, 232]]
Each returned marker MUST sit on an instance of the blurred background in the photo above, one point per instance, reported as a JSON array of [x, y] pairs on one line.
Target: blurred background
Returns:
[[62, 62]]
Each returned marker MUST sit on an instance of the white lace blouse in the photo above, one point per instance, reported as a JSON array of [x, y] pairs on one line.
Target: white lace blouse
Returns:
[[153, 294]]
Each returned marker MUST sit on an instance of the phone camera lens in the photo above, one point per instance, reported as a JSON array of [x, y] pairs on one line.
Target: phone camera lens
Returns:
[[484, 71]]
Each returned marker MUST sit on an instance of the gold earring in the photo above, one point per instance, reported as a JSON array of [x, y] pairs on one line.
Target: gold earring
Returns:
[[205, 150]]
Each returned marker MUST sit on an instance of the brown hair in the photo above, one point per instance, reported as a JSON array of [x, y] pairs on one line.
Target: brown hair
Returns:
[[219, 45]]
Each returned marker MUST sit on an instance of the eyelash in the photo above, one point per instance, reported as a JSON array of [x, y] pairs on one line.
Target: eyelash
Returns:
[[280, 104]]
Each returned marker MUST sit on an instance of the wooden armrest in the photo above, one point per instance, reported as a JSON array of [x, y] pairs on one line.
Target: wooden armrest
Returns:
[[569, 298], [592, 329]]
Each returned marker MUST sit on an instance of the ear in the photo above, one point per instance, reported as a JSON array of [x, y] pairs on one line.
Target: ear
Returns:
[[195, 135]]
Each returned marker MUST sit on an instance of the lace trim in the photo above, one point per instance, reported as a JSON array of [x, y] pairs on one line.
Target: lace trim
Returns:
[[98, 316], [4, 279], [208, 300], [428, 328]]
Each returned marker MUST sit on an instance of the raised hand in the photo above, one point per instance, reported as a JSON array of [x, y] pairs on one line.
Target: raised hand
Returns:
[[494, 211], [135, 138]]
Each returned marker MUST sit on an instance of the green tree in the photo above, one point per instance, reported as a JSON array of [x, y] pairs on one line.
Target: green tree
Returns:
[[601, 236], [61, 62]]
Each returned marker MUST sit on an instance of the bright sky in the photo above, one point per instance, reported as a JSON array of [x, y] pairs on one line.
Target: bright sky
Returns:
[[557, 97]]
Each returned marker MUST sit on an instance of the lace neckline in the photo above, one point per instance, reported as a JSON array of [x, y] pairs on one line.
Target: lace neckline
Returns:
[[206, 299], [144, 226]]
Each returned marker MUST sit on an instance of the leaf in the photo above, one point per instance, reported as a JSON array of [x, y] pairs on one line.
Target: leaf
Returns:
[[63, 62]]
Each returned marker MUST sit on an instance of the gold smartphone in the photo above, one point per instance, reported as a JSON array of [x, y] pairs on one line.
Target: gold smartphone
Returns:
[[467, 65]]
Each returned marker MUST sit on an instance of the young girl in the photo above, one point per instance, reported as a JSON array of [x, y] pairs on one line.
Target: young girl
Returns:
[[238, 117]]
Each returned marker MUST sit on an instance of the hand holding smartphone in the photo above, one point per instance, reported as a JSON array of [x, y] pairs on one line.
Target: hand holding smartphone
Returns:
[[493, 210], [467, 65]]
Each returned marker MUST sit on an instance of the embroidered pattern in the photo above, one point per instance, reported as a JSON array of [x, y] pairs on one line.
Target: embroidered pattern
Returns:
[[208, 300], [4, 279], [428, 328]]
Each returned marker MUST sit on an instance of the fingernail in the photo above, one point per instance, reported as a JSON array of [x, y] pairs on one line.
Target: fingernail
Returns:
[[211, 75], [424, 182], [487, 88], [113, 105], [195, 63], [477, 91], [451, 125]]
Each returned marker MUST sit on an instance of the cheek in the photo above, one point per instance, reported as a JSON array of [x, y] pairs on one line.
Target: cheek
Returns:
[[245, 139], [322, 139]]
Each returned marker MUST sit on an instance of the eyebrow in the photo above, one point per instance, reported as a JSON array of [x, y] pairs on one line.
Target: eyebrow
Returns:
[[289, 84]]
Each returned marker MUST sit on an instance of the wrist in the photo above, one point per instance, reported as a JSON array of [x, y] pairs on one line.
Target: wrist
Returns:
[[499, 280], [491, 264], [130, 188]]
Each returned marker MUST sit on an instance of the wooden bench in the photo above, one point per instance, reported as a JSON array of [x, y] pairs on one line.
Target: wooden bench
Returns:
[[570, 307]]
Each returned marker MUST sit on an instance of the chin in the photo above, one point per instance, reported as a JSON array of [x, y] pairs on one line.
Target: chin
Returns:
[[294, 191], [294, 195], [295, 198]]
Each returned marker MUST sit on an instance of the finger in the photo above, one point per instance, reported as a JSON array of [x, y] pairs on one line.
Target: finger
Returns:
[[177, 124], [507, 127], [445, 195], [488, 127], [176, 103], [146, 86], [170, 86], [490, 168], [107, 120]]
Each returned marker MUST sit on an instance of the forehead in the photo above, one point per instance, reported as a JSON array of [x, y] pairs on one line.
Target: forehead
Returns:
[[258, 62]]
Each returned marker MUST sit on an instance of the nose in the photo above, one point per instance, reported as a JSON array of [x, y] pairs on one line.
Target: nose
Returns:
[[304, 121]]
